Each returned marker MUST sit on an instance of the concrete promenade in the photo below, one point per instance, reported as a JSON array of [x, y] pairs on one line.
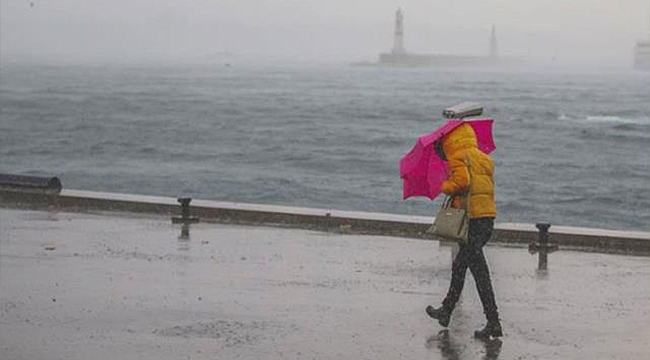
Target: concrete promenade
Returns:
[[127, 286]]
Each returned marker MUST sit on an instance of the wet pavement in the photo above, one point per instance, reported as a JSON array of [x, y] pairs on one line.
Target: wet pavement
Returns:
[[104, 286]]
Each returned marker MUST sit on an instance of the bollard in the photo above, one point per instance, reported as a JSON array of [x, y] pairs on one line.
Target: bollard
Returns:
[[543, 247], [185, 207], [185, 217]]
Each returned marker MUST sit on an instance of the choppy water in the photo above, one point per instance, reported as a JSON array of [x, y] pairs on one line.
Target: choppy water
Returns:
[[571, 148]]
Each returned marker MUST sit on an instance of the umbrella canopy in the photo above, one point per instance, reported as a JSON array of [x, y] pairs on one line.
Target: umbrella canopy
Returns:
[[423, 171]]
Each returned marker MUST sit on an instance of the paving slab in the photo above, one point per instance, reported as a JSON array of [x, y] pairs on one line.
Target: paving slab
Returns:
[[111, 286]]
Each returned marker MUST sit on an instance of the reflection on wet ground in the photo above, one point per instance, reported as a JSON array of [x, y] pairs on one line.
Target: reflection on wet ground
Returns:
[[103, 286], [457, 349]]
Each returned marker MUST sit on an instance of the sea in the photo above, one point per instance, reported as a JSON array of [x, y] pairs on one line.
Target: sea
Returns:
[[573, 147]]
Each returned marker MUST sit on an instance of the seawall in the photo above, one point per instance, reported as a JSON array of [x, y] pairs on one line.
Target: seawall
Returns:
[[568, 238]]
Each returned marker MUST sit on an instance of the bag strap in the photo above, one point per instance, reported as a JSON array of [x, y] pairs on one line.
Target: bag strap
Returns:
[[469, 192], [449, 198], [447, 202]]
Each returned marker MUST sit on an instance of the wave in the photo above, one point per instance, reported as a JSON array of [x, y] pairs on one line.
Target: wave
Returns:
[[612, 119]]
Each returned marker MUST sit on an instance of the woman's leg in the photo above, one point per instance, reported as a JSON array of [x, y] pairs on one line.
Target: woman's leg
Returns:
[[480, 231], [479, 268], [458, 271], [480, 235]]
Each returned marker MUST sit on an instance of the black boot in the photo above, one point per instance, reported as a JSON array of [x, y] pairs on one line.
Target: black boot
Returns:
[[492, 328], [441, 314]]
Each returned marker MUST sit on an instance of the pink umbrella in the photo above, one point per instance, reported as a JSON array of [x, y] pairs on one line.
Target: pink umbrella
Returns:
[[424, 172]]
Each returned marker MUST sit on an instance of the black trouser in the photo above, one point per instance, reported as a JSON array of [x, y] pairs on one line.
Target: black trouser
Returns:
[[471, 255]]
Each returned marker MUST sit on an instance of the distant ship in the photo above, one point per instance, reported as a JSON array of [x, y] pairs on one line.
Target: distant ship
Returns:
[[642, 55], [400, 57]]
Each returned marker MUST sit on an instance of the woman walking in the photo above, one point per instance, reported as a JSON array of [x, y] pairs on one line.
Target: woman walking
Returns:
[[470, 171]]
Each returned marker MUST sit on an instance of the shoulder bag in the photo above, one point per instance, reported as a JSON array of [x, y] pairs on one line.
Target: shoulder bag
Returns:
[[450, 223]]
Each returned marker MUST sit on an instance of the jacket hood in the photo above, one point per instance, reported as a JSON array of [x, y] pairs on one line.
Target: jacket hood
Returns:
[[462, 137]]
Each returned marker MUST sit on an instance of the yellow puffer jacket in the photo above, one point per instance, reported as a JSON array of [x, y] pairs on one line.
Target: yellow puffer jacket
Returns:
[[460, 148]]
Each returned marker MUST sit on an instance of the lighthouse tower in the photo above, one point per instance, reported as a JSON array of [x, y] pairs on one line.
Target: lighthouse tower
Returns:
[[398, 45], [494, 51]]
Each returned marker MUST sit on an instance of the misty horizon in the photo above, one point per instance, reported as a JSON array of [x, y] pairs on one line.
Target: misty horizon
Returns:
[[575, 32]]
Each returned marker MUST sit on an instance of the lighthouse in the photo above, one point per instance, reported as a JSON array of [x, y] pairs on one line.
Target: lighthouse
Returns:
[[398, 56], [398, 45]]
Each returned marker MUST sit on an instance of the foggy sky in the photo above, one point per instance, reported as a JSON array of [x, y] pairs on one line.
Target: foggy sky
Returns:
[[600, 31]]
